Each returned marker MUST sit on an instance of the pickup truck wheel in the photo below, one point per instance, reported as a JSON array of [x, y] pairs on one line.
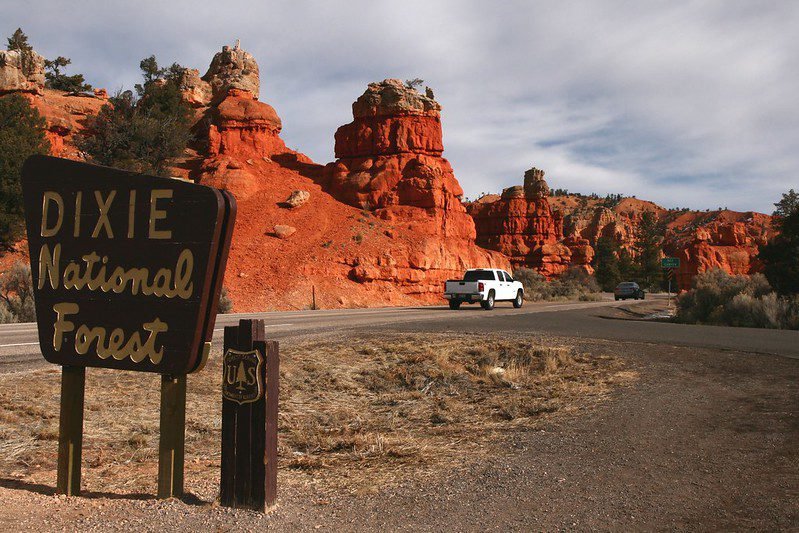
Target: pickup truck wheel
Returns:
[[517, 303], [454, 304], [488, 303]]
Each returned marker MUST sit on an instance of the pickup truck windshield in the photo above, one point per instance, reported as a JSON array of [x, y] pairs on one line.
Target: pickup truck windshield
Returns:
[[479, 275]]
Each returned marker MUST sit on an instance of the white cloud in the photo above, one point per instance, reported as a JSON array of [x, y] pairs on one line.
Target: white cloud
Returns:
[[684, 103]]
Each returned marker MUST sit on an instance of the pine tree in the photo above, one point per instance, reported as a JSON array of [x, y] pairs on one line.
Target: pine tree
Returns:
[[142, 133], [781, 254], [19, 42], [647, 247], [606, 263], [55, 79], [21, 135]]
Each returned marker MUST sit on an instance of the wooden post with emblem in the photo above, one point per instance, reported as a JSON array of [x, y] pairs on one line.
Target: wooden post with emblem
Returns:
[[249, 417]]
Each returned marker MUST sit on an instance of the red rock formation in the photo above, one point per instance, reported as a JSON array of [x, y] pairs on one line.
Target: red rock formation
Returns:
[[66, 115], [241, 125], [389, 162], [702, 240], [389, 158], [727, 240], [521, 225], [590, 219], [416, 236]]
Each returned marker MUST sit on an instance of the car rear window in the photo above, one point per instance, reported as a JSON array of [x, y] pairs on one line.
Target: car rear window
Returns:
[[479, 275], [626, 285]]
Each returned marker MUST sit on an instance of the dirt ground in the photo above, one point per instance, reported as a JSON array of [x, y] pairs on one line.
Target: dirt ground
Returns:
[[699, 439]]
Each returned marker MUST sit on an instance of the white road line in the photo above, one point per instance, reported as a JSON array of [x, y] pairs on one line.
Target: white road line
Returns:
[[19, 344], [266, 326]]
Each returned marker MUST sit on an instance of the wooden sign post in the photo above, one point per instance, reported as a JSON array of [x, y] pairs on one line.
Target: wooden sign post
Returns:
[[127, 271], [70, 429], [250, 369]]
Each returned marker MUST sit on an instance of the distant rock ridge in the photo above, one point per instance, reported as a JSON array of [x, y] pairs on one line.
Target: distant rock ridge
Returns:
[[728, 240]]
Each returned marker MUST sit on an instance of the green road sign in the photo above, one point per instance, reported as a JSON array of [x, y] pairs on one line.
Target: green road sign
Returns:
[[670, 262]]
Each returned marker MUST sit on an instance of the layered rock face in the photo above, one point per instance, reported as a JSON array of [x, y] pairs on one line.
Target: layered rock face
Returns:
[[389, 163], [241, 125], [727, 240], [701, 240], [238, 127], [389, 160], [522, 225]]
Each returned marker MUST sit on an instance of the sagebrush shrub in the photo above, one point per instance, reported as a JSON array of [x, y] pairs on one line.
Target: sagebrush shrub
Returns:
[[575, 283], [744, 301], [16, 295]]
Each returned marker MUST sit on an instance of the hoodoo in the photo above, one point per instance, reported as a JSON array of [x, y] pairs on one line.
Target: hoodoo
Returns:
[[521, 224], [389, 162]]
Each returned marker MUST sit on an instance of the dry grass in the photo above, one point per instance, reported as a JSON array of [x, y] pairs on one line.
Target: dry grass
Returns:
[[353, 412]]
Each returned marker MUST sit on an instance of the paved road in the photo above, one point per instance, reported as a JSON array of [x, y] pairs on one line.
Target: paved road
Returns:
[[19, 345]]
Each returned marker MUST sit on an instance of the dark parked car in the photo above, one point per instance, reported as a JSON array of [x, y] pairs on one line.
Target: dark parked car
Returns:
[[628, 289]]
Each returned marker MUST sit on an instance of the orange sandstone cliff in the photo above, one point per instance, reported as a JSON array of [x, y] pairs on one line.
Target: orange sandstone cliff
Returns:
[[702, 241]]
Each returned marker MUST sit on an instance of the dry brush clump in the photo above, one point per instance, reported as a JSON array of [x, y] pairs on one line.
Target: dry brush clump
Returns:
[[746, 301], [16, 295], [353, 412], [574, 284]]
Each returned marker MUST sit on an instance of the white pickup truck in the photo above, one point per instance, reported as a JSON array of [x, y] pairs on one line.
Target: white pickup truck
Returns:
[[484, 285]]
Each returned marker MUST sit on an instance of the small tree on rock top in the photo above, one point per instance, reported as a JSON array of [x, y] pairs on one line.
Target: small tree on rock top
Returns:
[[19, 42], [55, 79]]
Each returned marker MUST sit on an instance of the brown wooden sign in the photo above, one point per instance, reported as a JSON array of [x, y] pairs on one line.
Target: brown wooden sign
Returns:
[[127, 268]]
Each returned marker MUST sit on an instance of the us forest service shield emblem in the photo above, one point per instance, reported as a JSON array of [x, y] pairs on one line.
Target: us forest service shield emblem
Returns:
[[243, 381]]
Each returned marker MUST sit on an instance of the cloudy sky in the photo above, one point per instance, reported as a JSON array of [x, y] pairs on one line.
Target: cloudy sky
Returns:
[[685, 103]]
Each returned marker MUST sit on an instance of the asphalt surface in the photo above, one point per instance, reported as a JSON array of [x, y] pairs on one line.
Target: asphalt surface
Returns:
[[19, 348]]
